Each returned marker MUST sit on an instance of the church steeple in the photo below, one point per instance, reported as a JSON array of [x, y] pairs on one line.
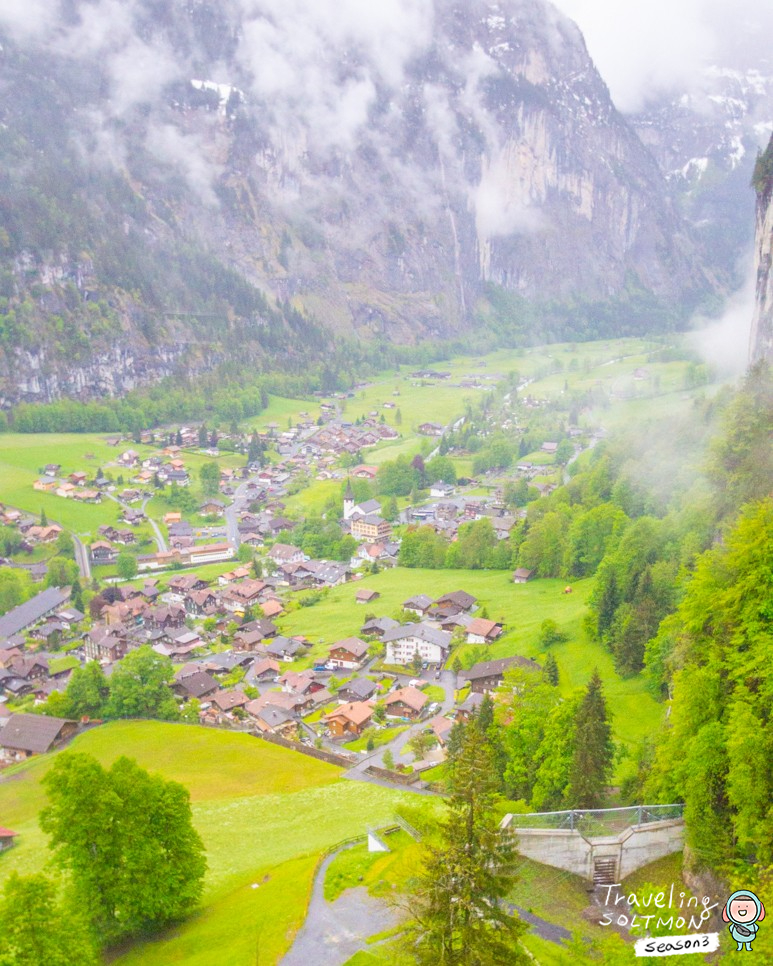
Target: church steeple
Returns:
[[348, 499]]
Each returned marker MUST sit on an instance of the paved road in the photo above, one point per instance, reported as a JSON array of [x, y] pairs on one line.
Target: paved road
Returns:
[[82, 558], [162, 547], [334, 931]]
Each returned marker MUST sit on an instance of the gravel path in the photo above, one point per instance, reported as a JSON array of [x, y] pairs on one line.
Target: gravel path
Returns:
[[334, 931]]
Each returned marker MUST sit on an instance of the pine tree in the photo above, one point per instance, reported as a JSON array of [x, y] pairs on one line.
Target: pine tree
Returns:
[[593, 749], [610, 600], [457, 908], [43, 518], [203, 436], [550, 670]]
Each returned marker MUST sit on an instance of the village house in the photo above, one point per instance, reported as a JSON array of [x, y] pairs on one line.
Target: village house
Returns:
[[102, 552], [406, 702], [482, 631], [358, 689], [25, 735], [283, 553], [263, 670], [488, 675], [522, 575], [403, 642], [371, 527], [6, 838], [102, 646], [470, 706], [212, 508], [459, 599], [441, 489], [238, 597], [227, 701], [348, 653], [378, 626], [366, 596], [349, 720], [197, 684], [272, 720], [419, 604]]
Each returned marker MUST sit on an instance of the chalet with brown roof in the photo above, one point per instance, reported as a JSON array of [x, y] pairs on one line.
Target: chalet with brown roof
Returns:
[[441, 728], [197, 685], [228, 701], [486, 676], [459, 598], [348, 653], [365, 595], [201, 603], [272, 608], [272, 720], [522, 575], [406, 702], [264, 670], [25, 735], [482, 631], [349, 720], [238, 597]]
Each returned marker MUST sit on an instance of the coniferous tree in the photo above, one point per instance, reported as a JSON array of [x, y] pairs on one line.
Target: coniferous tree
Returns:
[[550, 670], [457, 903], [593, 748]]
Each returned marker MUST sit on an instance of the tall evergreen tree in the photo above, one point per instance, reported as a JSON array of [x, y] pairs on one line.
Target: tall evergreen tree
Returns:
[[593, 748], [457, 904], [550, 670]]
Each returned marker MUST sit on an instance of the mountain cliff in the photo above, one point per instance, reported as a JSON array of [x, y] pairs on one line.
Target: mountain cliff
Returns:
[[761, 345], [183, 181]]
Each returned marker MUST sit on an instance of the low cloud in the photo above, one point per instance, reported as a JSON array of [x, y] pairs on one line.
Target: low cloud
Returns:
[[644, 50], [724, 343]]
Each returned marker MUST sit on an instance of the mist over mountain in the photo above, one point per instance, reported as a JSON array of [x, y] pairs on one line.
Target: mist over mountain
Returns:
[[182, 181]]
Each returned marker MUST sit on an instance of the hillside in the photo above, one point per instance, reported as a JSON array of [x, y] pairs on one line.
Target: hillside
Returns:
[[192, 180], [251, 805]]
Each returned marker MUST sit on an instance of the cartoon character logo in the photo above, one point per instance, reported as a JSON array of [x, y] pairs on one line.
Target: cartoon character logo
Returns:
[[743, 910]]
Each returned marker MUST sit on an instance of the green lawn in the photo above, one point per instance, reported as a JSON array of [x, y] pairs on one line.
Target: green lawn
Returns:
[[265, 814]]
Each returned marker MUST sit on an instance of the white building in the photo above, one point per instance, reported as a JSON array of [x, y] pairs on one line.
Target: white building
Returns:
[[403, 642]]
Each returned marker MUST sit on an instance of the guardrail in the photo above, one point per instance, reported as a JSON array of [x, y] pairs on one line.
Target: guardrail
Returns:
[[596, 821]]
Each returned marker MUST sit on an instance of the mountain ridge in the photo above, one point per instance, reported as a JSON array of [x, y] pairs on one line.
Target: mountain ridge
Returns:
[[211, 201]]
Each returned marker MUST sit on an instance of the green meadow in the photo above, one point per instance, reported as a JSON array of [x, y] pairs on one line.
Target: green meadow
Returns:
[[521, 607], [265, 814]]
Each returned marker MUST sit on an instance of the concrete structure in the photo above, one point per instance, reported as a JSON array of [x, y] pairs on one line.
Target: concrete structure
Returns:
[[601, 858]]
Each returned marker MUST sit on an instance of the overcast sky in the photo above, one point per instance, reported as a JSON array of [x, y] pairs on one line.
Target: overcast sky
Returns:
[[643, 47]]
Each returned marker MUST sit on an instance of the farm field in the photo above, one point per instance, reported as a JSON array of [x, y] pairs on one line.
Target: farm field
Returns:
[[253, 804]]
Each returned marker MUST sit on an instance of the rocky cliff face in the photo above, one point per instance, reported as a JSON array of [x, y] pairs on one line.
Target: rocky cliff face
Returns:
[[761, 344], [218, 166]]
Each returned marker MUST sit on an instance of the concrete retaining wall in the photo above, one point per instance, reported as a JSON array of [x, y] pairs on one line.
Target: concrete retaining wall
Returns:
[[631, 849]]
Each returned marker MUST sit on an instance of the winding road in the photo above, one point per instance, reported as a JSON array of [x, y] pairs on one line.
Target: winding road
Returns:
[[334, 931]]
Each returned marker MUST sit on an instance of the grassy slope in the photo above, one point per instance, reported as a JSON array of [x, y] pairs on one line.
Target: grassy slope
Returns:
[[523, 607], [265, 814]]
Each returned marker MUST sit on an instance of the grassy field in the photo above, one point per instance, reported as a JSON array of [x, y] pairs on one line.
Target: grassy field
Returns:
[[522, 608], [265, 814]]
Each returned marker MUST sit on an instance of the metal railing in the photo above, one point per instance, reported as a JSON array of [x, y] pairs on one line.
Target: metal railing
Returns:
[[595, 821]]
